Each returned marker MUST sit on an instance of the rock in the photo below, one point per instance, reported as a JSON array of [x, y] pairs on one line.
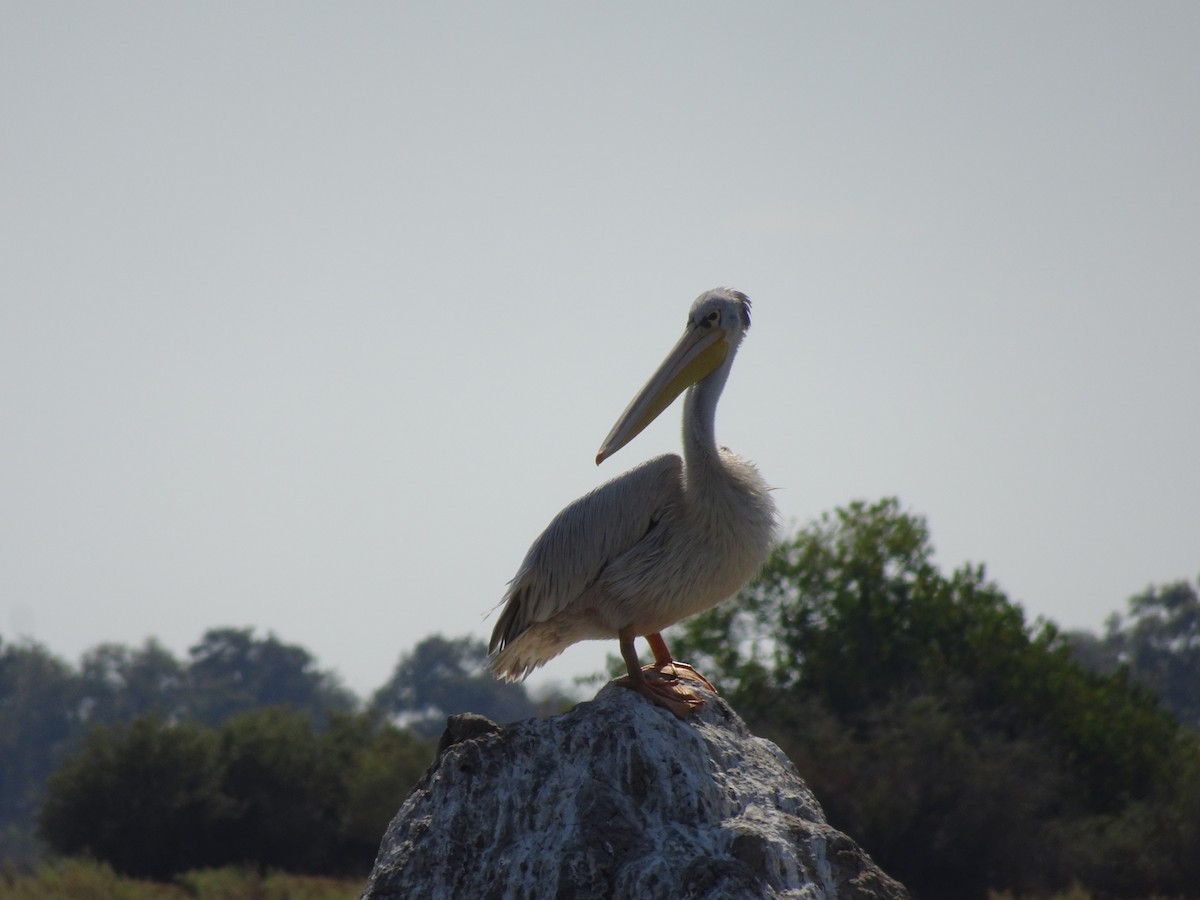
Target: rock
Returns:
[[617, 799]]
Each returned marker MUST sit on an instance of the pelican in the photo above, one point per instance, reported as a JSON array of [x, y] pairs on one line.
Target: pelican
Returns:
[[667, 539]]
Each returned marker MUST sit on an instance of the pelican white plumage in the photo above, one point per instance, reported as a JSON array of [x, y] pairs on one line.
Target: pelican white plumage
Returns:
[[665, 540]]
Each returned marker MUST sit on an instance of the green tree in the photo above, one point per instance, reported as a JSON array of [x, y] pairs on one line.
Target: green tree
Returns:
[[145, 799], [286, 792], [47, 706], [1159, 640], [40, 701], [120, 683], [231, 671], [265, 789], [443, 677], [965, 748], [380, 765], [1092, 652]]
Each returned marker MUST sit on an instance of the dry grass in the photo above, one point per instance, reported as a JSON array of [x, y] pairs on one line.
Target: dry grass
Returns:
[[77, 879]]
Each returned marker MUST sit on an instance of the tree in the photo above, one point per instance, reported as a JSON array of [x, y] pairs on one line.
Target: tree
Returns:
[[285, 791], [1159, 641], [966, 749], [119, 683], [39, 719], [145, 799], [231, 671], [265, 788], [380, 764], [443, 677], [47, 708]]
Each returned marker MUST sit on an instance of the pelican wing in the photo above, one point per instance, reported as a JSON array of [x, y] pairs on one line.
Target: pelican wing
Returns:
[[585, 537]]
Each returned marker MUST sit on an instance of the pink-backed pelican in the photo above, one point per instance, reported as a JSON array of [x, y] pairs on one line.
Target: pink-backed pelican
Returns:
[[667, 539]]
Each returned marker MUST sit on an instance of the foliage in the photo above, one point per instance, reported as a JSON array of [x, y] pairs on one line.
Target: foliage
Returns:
[[230, 672], [1074, 892], [966, 749], [151, 779], [120, 683], [1158, 642], [265, 788], [46, 707], [81, 879], [39, 718], [443, 677], [387, 761]]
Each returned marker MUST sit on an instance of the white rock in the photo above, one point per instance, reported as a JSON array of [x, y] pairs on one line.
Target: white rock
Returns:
[[617, 799]]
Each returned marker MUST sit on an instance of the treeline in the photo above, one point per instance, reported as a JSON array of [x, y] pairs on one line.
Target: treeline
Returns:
[[966, 749], [264, 789], [116, 727], [1157, 642]]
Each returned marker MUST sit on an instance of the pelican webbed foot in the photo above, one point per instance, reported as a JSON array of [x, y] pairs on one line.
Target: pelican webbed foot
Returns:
[[661, 689], [683, 670], [662, 683], [664, 661]]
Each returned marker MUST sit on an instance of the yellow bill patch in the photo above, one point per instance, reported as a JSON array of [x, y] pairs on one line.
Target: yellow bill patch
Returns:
[[702, 364]]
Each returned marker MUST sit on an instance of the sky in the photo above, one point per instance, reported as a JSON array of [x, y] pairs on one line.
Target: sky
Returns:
[[313, 315]]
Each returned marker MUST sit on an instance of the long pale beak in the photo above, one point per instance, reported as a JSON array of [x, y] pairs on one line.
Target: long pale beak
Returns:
[[698, 353]]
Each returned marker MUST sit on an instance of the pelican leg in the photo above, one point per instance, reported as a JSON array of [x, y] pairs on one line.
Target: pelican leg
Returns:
[[663, 660], [660, 688]]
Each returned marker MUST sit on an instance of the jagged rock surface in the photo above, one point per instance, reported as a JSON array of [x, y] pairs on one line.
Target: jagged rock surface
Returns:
[[617, 799]]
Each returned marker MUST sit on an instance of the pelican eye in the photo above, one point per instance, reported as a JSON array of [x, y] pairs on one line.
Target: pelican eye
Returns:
[[710, 320]]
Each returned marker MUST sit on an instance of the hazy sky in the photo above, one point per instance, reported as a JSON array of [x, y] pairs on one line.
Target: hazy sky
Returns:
[[313, 315]]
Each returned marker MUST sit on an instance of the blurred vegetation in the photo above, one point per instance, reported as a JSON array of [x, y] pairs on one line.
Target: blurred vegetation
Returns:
[[83, 879], [967, 749], [442, 677], [1157, 642], [218, 737], [264, 789]]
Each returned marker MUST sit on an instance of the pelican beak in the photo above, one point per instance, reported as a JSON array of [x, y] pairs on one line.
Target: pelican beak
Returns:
[[699, 352]]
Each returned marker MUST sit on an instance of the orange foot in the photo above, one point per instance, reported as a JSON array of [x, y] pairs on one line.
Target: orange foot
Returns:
[[683, 670], [663, 689], [661, 683]]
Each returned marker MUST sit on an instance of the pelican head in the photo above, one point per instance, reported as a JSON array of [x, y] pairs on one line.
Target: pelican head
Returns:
[[716, 324]]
